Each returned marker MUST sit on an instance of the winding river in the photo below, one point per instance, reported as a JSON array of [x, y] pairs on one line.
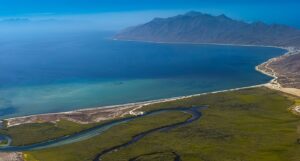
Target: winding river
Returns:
[[97, 130]]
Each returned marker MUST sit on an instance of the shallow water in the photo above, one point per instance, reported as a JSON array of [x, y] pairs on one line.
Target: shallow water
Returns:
[[61, 72]]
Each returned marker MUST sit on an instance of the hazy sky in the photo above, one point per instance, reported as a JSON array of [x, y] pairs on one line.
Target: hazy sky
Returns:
[[117, 14]]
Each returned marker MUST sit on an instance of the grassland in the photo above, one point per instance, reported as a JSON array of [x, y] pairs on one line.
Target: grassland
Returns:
[[297, 102], [39, 132], [3, 142], [246, 125], [86, 150]]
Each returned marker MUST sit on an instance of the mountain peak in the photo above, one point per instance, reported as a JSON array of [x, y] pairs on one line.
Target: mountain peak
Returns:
[[193, 13], [223, 16]]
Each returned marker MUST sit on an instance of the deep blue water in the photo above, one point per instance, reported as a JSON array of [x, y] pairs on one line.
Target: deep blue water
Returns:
[[61, 72]]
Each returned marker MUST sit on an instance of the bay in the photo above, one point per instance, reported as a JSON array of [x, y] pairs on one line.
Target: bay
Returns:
[[66, 71]]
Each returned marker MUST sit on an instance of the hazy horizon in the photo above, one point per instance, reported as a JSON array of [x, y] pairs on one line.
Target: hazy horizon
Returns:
[[18, 16]]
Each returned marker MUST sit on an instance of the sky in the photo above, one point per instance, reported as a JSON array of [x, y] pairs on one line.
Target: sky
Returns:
[[118, 14]]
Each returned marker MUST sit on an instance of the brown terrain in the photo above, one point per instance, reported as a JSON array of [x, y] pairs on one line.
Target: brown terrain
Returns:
[[80, 116], [288, 70], [11, 156], [285, 70]]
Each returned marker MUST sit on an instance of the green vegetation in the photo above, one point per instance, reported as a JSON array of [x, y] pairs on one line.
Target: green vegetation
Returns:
[[297, 102], [38, 132], [248, 125], [88, 149], [243, 125], [3, 142]]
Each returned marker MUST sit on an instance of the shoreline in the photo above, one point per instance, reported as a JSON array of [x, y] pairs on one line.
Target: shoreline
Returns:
[[113, 111], [97, 114], [274, 84], [195, 43]]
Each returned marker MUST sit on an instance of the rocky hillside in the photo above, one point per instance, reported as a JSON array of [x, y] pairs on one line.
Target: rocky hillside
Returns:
[[288, 70]]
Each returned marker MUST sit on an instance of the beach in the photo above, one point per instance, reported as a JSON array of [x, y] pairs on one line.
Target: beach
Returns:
[[97, 114]]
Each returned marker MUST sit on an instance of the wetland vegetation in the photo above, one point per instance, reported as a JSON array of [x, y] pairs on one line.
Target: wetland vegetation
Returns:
[[250, 124]]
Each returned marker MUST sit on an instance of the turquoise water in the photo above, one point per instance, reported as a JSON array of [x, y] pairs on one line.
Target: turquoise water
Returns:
[[61, 72]]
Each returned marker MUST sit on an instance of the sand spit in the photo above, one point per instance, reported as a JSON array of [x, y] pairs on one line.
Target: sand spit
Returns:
[[98, 114]]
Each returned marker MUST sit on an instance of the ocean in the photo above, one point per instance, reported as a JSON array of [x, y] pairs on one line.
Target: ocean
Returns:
[[66, 71]]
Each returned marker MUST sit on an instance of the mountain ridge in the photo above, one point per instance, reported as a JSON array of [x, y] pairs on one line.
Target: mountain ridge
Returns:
[[197, 27]]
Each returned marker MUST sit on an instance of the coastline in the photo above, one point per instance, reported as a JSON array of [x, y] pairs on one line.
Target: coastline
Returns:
[[97, 114], [274, 84], [195, 43], [89, 115]]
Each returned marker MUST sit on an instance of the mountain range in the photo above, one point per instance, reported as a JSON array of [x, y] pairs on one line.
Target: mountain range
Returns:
[[197, 27]]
